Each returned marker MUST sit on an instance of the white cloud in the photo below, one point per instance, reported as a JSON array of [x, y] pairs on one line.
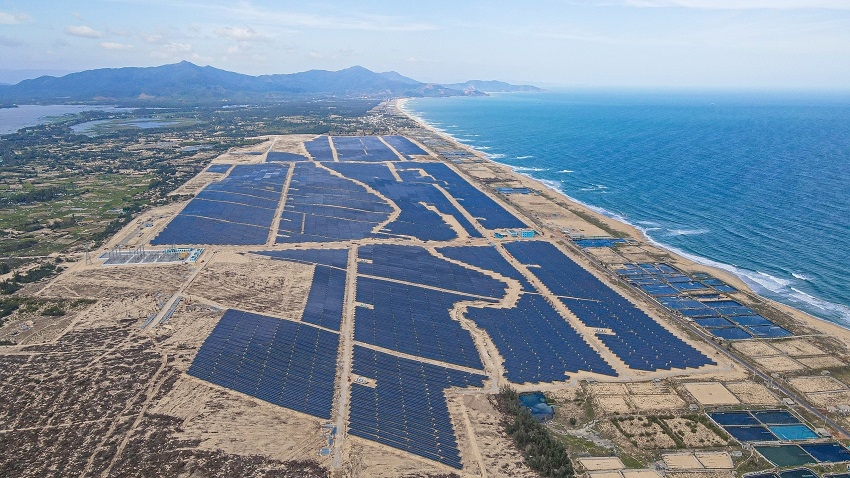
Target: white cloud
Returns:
[[285, 18], [108, 45], [83, 31], [240, 34], [7, 18]]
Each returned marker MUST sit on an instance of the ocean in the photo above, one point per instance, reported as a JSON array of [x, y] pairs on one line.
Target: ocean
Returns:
[[756, 184]]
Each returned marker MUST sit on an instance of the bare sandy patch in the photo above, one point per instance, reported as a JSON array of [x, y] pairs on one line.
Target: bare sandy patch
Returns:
[[753, 348], [715, 460], [779, 364], [613, 404], [601, 463], [498, 453], [817, 384], [681, 461], [608, 388], [656, 402], [830, 399], [822, 361], [217, 416], [711, 393], [255, 283], [753, 393], [798, 347]]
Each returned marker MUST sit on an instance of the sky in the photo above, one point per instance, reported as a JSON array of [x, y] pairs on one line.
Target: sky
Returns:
[[763, 44]]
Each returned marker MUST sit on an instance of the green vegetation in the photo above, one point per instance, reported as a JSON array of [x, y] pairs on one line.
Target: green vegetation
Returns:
[[42, 271], [65, 192], [543, 452]]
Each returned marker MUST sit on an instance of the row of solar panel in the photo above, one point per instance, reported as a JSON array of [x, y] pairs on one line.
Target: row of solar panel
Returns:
[[289, 364], [321, 207], [239, 209], [406, 409], [538, 345], [413, 320], [415, 264], [638, 340]]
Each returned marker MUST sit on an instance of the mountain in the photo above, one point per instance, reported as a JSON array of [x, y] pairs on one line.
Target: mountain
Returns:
[[493, 86], [189, 83]]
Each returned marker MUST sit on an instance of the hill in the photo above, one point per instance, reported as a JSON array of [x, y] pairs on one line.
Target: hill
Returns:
[[187, 82], [492, 86]]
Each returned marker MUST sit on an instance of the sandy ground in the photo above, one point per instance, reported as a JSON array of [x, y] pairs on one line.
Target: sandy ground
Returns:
[[752, 393], [711, 393], [817, 384], [603, 463], [254, 283]]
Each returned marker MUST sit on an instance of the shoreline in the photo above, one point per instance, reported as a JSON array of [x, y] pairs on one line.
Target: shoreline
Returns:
[[822, 325]]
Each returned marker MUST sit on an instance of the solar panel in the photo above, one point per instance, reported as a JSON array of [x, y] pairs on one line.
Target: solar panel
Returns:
[[285, 363], [407, 409], [538, 345], [638, 340]]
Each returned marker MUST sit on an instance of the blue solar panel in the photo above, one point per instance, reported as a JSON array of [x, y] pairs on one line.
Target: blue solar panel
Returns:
[[274, 156], [538, 345], [322, 207], [415, 264], [219, 168], [362, 148], [413, 320], [490, 214], [285, 363], [237, 210], [320, 149], [406, 409], [326, 257], [325, 301], [638, 340], [485, 257], [404, 145], [416, 220]]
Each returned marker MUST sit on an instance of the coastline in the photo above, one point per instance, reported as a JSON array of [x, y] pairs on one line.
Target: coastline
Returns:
[[824, 326]]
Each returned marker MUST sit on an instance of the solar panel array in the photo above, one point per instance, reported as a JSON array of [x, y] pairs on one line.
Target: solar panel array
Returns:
[[285, 363], [325, 300], [326, 257], [722, 317], [218, 168], [537, 343], [415, 220], [237, 210], [414, 321], [404, 146], [362, 148], [490, 214], [415, 264], [486, 257], [320, 148], [322, 207], [407, 408], [637, 339], [276, 156]]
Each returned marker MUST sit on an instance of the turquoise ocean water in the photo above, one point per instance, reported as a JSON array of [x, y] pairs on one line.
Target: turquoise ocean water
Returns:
[[755, 184]]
